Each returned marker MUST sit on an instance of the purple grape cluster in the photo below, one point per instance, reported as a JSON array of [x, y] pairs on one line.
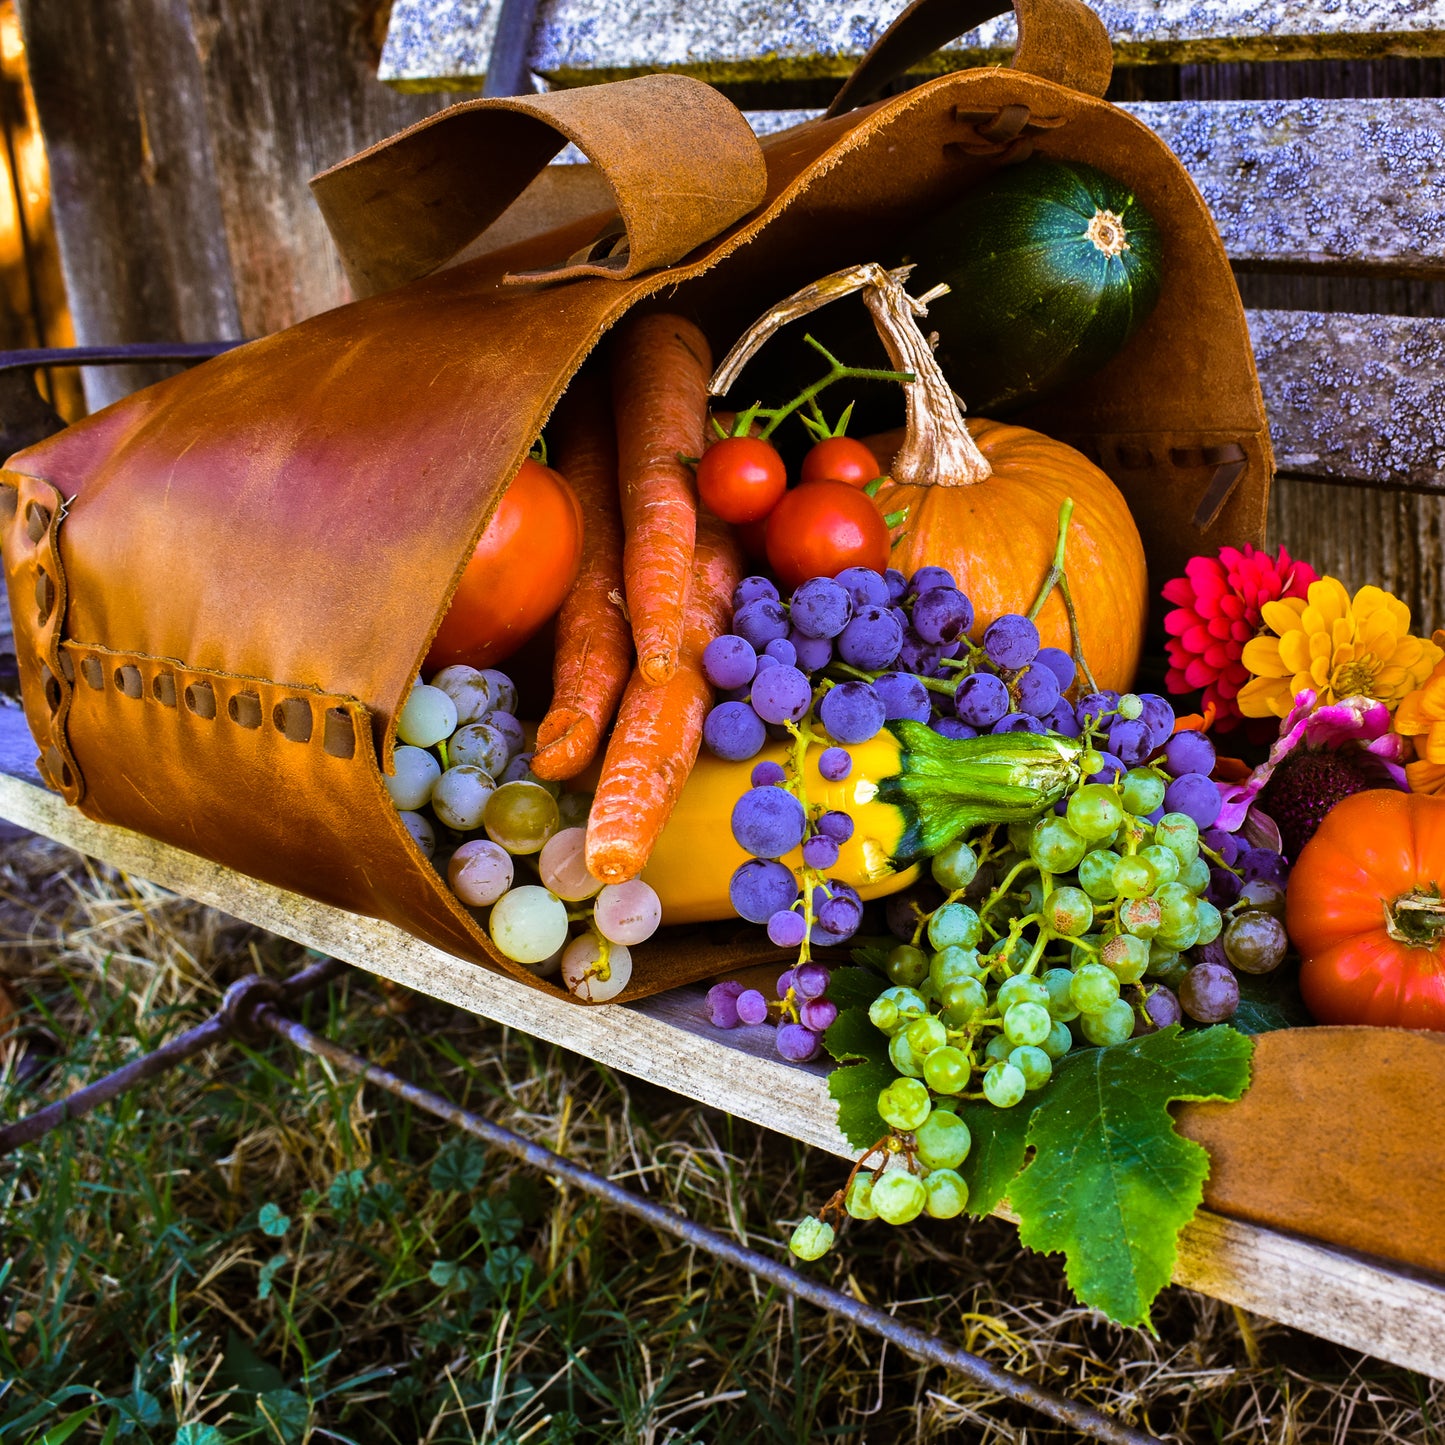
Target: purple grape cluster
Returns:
[[801, 1011], [891, 648]]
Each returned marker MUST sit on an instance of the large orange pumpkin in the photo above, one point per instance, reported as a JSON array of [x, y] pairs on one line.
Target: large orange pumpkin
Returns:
[[983, 497], [997, 536]]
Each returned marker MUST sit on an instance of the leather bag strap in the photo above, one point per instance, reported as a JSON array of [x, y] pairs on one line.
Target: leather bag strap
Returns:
[[681, 161], [1059, 40]]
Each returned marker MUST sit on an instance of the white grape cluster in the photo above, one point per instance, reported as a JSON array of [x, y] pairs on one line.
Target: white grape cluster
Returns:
[[507, 840]]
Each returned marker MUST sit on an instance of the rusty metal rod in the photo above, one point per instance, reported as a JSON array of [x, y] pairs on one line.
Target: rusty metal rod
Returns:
[[1083, 1418], [236, 1010]]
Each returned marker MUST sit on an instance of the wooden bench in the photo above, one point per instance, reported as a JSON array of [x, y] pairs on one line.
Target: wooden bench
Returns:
[[1333, 211]]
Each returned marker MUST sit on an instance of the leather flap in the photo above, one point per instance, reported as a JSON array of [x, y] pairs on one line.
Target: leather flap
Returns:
[[681, 161]]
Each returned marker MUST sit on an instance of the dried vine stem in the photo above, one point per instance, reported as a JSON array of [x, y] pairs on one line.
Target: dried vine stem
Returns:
[[937, 449]]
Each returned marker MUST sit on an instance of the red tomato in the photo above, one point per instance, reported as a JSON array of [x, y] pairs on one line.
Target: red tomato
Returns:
[[524, 565], [820, 528], [1363, 907], [740, 479], [840, 459], [754, 537]]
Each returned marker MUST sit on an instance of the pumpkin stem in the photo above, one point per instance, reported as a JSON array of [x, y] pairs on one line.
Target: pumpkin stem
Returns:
[[937, 448], [1416, 919]]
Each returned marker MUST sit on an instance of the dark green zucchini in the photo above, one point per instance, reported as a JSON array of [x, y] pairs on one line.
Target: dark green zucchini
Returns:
[[1052, 267]]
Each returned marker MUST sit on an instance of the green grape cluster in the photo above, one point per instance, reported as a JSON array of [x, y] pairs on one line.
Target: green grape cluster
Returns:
[[1052, 935]]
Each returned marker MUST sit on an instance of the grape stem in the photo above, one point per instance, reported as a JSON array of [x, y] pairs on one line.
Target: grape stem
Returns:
[[837, 371], [1056, 576]]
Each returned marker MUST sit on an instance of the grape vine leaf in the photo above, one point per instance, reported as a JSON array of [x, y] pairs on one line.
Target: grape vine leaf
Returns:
[[1111, 1184], [854, 987], [997, 1152], [1270, 1001], [855, 1088], [852, 1036]]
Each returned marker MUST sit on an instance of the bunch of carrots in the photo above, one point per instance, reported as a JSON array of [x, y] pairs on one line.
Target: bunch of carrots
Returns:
[[656, 584]]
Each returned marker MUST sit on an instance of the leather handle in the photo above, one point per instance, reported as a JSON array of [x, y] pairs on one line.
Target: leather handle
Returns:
[[1059, 40], [681, 160]]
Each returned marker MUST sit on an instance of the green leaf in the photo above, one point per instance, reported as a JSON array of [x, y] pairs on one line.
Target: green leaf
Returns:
[[508, 1266], [997, 1152], [346, 1189], [855, 1088], [1270, 1001], [852, 1036], [58, 1434], [269, 1271], [285, 1412], [243, 1369], [855, 987], [459, 1165], [380, 1201], [272, 1221], [498, 1220], [197, 1434], [1111, 1184]]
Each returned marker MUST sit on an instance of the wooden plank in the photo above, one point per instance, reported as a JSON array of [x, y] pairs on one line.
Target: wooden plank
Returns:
[[1349, 184], [1352, 185], [440, 44], [181, 138], [1355, 398], [1362, 1304]]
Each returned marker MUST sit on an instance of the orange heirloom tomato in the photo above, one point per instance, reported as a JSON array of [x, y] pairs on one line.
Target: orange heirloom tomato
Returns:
[[1364, 908], [525, 564]]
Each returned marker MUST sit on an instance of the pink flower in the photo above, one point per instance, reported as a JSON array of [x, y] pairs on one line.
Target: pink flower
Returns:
[[1218, 610], [1361, 723]]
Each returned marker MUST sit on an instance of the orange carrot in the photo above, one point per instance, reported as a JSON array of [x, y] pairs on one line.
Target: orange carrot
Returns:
[[659, 729], [594, 641], [660, 371]]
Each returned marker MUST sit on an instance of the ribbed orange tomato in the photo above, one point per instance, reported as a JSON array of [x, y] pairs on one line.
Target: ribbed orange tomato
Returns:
[[997, 537], [1364, 908], [524, 565]]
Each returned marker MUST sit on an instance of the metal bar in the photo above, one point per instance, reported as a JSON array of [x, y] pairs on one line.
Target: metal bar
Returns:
[[135, 351], [234, 1012], [507, 70], [1083, 1418]]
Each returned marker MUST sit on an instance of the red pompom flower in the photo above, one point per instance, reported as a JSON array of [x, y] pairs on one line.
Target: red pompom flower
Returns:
[[1217, 610]]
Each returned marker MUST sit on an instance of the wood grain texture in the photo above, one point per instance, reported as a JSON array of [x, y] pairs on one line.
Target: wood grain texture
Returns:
[[1362, 1304], [444, 43], [1356, 398], [181, 138]]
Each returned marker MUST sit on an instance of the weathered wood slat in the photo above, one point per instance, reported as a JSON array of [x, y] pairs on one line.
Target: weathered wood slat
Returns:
[[1354, 185], [1356, 1302], [438, 44], [1356, 398], [181, 138]]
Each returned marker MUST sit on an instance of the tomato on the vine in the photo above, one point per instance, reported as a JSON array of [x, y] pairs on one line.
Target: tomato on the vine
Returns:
[[740, 479], [820, 528], [840, 459], [523, 567]]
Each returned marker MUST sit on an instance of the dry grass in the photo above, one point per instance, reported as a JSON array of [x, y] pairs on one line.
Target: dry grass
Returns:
[[413, 1289]]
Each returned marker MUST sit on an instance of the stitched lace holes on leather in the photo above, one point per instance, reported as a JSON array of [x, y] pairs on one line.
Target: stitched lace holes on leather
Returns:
[[67, 668], [128, 680], [54, 693], [245, 710], [164, 688], [201, 699], [57, 769], [44, 596], [37, 521], [292, 717], [92, 672], [339, 735]]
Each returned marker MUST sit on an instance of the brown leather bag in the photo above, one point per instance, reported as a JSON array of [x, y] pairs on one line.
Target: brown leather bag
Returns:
[[223, 586]]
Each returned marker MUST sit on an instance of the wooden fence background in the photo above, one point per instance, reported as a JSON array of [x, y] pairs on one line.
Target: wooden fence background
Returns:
[[181, 134]]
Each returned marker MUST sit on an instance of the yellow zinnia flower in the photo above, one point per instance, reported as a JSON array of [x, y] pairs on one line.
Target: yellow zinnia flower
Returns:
[[1336, 646], [1422, 716]]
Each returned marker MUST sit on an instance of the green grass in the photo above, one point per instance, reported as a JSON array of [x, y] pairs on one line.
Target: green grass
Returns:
[[253, 1249]]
